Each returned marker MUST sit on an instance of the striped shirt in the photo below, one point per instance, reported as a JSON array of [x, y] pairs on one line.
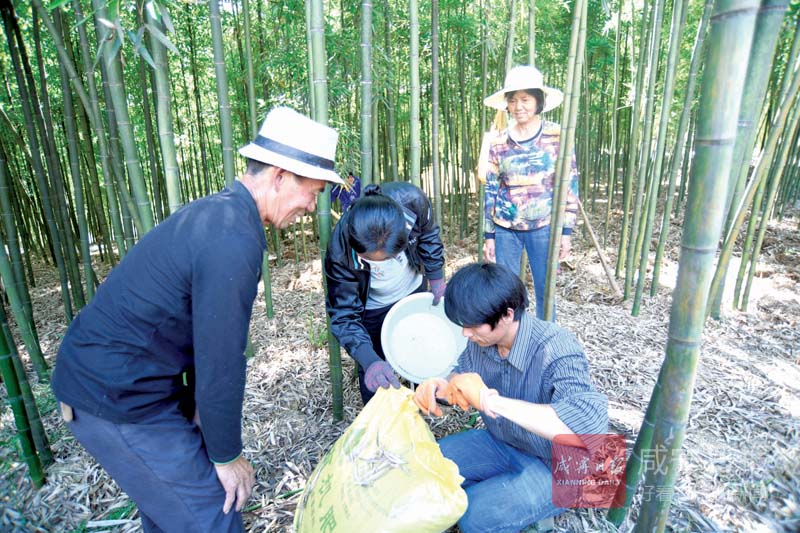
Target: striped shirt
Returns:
[[519, 182], [546, 365]]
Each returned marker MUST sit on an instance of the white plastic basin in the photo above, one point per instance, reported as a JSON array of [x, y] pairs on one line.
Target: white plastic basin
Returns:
[[418, 339]]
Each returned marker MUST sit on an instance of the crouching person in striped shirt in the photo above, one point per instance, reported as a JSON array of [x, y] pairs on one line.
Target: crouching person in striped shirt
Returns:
[[530, 381]]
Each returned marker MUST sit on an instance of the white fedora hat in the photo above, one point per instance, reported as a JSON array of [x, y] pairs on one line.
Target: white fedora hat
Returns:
[[296, 143], [521, 78]]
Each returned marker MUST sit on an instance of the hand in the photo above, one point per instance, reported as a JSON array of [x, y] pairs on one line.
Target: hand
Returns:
[[380, 374], [237, 479], [426, 394], [465, 390], [488, 250], [566, 247], [438, 287]]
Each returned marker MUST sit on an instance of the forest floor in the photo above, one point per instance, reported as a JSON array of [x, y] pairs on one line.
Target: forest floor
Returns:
[[740, 462]]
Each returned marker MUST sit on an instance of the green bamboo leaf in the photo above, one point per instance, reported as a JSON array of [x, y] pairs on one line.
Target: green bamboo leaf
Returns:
[[165, 18], [158, 34], [147, 57], [84, 19], [105, 22], [120, 32], [99, 54], [113, 9], [115, 46], [159, 10], [55, 4], [136, 39]]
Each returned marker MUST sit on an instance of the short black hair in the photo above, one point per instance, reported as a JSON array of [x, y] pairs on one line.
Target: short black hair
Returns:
[[482, 293], [254, 168], [376, 223], [536, 93]]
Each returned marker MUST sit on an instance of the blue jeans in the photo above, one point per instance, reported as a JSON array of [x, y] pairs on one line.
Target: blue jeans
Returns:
[[163, 466], [507, 490], [508, 251]]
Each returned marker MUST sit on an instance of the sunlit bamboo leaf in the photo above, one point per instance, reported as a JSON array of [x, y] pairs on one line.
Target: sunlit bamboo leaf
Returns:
[[158, 34]]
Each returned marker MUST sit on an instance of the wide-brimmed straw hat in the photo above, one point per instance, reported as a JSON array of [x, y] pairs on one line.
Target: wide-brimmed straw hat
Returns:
[[520, 78], [296, 143]]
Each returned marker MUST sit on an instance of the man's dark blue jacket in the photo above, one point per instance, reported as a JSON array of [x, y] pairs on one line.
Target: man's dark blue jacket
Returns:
[[178, 305]]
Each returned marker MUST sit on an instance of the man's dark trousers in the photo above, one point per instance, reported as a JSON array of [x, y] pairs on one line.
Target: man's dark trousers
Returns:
[[163, 466]]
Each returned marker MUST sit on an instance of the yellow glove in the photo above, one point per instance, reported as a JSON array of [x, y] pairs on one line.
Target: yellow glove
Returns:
[[465, 390], [426, 394]]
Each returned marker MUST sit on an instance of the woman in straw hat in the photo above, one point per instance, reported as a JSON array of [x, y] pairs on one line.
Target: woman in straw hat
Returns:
[[520, 178]]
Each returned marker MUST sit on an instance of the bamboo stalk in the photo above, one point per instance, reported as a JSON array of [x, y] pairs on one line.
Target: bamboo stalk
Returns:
[[437, 192], [366, 92], [127, 207], [320, 77], [92, 112], [512, 25], [682, 138], [768, 25], [26, 327], [10, 228], [676, 30], [612, 163], [226, 126], [565, 152], [166, 137], [633, 467], [390, 94], [99, 225], [639, 208], [747, 243], [266, 278], [466, 164], [201, 129], [760, 173], [20, 416], [58, 196], [603, 261], [633, 144], [687, 156], [116, 86], [251, 89], [414, 131], [38, 432], [147, 81], [311, 103], [77, 184], [483, 124], [26, 97], [790, 140], [768, 30], [730, 39], [532, 32]]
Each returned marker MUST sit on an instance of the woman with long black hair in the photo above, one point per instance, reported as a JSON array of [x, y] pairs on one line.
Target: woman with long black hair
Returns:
[[385, 247]]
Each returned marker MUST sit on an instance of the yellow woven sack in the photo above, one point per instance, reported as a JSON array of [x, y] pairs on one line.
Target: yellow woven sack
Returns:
[[384, 474]]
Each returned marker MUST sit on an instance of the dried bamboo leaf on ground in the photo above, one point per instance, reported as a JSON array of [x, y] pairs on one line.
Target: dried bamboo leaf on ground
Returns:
[[740, 459]]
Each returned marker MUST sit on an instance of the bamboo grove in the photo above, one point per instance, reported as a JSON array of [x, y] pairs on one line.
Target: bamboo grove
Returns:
[[115, 113]]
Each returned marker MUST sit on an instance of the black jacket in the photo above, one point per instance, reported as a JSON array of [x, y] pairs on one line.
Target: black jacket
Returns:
[[348, 277]]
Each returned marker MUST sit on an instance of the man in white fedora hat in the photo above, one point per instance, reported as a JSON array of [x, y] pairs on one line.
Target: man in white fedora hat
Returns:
[[520, 176], [151, 374]]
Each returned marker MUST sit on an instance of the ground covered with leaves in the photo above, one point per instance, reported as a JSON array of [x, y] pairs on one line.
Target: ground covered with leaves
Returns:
[[741, 458]]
